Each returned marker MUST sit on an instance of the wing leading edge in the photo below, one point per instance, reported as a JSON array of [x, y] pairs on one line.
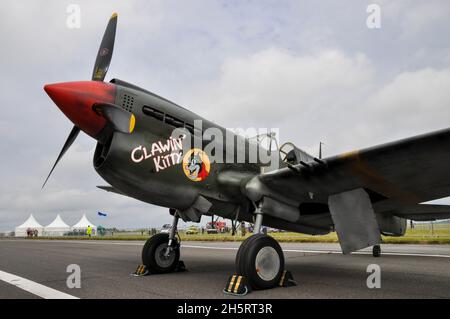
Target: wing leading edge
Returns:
[[423, 212], [412, 170], [360, 188]]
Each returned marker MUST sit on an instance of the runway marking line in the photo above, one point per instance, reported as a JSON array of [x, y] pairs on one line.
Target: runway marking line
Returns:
[[236, 248], [34, 287], [327, 251]]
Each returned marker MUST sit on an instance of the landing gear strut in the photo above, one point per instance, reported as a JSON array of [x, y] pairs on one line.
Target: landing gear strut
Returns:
[[258, 220], [172, 233], [260, 258], [161, 252]]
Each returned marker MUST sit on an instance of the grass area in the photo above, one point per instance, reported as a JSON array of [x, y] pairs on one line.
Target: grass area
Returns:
[[441, 235], [412, 236]]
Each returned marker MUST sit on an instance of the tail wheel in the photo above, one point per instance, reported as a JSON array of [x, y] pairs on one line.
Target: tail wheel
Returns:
[[376, 251], [261, 260], [154, 254]]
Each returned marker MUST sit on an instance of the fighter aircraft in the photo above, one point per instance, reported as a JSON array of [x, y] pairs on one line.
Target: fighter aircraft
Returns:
[[141, 152]]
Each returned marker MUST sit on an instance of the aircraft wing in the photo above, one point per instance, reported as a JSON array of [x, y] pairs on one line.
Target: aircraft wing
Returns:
[[355, 186], [423, 212], [411, 170]]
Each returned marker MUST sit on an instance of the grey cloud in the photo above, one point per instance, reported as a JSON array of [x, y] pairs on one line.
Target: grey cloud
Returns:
[[311, 68]]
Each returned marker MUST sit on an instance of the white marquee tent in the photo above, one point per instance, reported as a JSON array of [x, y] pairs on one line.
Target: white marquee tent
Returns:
[[21, 230], [83, 224], [57, 227]]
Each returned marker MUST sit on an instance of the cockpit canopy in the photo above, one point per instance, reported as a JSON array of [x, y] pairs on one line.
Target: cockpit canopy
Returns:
[[291, 154]]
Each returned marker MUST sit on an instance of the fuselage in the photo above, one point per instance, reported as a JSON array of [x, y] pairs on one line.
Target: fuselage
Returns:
[[148, 164], [158, 152], [161, 153]]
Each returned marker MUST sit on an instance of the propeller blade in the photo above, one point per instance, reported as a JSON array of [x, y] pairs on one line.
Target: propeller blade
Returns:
[[121, 120], [105, 50], [72, 136]]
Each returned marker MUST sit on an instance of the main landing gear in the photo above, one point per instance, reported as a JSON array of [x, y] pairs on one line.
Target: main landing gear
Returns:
[[260, 258], [161, 252]]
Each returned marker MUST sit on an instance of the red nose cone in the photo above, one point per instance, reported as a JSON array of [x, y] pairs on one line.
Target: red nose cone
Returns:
[[75, 99]]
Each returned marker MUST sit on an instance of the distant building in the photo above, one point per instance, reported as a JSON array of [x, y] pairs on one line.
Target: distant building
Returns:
[[56, 228], [82, 226], [29, 224]]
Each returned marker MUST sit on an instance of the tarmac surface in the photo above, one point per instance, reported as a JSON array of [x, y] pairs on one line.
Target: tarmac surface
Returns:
[[320, 270]]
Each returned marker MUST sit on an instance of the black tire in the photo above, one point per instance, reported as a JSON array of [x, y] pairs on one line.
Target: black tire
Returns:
[[376, 251], [242, 250], [152, 256], [237, 263], [256, 246]]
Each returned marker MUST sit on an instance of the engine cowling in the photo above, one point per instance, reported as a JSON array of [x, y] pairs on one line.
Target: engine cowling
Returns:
[[113, 162]]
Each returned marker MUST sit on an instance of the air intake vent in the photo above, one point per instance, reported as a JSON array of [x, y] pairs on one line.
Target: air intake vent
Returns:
[[128, 102]]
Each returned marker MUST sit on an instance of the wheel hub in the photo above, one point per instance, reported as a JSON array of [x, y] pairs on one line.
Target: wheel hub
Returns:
[[163, 259], [267, 263]]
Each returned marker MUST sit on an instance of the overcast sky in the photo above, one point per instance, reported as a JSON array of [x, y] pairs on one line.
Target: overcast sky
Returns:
[[313, 69]]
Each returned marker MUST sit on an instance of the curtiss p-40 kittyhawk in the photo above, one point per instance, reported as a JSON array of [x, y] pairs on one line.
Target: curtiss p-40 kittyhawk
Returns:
[[141, 152]]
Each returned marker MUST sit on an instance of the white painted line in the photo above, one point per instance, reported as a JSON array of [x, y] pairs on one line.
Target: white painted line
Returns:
[[326, 251], [209, 247], [33, 287], [405, 254], [138, 243], [89, 242]]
